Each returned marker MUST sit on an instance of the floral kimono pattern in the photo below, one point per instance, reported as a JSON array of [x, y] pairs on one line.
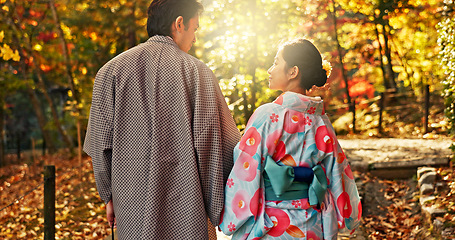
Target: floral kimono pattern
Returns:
[[293, 131]]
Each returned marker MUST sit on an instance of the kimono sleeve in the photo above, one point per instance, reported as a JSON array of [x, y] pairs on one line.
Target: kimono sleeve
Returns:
[[98, 139], [216, 135], [343, 202], [244, 207]]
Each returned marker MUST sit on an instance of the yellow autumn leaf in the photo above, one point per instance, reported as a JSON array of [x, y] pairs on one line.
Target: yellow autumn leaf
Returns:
[[37, 47], [16, 56], [84, 70], [7, 53], [93, 36]]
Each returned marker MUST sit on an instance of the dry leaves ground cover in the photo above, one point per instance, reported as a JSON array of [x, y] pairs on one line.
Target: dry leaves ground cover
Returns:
[[391, 208], [80, 213]]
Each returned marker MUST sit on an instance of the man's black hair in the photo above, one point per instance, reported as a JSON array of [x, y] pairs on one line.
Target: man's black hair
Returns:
[[162, 13]]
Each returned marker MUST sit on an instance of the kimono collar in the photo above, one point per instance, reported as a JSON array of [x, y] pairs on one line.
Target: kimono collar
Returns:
[[301, 103], [162, 39]]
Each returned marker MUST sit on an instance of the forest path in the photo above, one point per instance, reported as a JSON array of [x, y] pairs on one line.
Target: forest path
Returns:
[[395, 158]]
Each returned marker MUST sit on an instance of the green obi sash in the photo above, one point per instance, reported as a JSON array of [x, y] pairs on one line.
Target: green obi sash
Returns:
[[280, 185]]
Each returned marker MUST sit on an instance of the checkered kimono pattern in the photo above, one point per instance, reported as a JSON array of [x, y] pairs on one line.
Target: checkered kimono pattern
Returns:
[[161, 138]]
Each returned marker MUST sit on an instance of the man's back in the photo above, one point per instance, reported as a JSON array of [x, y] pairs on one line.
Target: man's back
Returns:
[[161, 112]]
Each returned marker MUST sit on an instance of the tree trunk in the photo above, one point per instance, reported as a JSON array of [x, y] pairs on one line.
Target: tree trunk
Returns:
[[381, 57], [246, 113], [69, 73], [132, 27], [42, 121], [66, 56], [18, 146], [427, 108], [386, 34], [2, 143], [343, 70]]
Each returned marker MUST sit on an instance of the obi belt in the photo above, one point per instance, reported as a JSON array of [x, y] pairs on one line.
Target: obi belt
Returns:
[[286, 183]]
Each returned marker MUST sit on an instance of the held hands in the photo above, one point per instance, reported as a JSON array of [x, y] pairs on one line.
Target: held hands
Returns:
[[110, 214]]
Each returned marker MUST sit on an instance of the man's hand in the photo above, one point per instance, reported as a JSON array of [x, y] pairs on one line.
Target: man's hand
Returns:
[[110, 214]]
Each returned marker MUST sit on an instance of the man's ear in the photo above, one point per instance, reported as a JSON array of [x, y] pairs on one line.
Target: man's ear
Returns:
[[293, 72], [178, 23]]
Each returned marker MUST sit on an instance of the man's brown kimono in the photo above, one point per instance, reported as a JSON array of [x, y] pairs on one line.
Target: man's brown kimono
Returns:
[[161, 140]]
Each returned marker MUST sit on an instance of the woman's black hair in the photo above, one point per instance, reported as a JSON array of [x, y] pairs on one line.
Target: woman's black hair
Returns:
[[303, 54], [162, 13]]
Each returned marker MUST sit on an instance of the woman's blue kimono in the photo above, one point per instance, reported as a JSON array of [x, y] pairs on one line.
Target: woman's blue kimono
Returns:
[[292, 131]]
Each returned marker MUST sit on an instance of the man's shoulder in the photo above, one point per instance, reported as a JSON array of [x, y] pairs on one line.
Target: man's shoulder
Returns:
[[185, 57], [167, 54]]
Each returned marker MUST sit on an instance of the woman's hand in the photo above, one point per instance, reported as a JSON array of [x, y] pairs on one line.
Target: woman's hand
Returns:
[[110, 214]]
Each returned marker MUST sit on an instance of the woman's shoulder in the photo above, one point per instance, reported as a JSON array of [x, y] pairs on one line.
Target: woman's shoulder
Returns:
[[262, 114], [267, 108]]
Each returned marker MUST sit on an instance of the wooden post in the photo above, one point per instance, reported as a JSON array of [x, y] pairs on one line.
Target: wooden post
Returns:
[[381, 108], [49, 202], [79, 147], [427, 107]]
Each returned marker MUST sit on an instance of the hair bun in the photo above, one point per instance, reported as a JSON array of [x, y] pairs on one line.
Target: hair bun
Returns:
[[321, 78], [303, 54]]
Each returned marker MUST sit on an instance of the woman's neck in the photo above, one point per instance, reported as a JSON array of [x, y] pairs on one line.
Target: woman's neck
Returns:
[[297, 90]]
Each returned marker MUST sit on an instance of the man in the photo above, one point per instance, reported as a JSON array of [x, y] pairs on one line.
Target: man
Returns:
[[160, 134]]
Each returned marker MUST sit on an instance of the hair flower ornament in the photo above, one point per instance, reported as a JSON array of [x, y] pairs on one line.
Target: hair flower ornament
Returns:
[[327, 67]]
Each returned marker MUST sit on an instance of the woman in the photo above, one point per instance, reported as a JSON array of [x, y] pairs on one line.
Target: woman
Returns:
[[291, 179]]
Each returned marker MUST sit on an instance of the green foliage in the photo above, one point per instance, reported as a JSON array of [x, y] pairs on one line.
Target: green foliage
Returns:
[[237, 39], [446, 41]]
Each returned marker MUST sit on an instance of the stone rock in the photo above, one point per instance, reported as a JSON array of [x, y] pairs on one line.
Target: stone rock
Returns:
[[422, 170], [448, 232], [425, 199], [439, 186], [428, 177], [426, 189], [438, 224], [433, 211]]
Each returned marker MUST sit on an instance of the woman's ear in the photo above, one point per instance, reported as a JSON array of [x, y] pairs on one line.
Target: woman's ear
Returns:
[[293, 72]]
